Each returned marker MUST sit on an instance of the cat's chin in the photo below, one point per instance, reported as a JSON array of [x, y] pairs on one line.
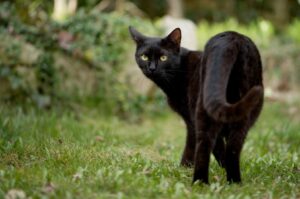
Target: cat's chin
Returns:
[[157, 78], [152, 75]]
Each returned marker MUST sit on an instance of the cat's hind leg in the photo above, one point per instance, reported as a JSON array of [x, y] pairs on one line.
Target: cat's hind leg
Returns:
[[219, 151], [206, 134], [234, 144]]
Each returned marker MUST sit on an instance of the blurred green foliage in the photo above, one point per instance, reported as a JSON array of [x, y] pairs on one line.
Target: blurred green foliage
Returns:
[[293, 30], [82, 59], [279, 12], [99, 41], [261, 31]]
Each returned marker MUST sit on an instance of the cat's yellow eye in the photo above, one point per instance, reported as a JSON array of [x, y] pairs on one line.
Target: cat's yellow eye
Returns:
[[144, 57], [163, 58]]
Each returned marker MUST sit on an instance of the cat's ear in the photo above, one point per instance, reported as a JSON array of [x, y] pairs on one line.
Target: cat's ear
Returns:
[[136, 36], [173, 39]]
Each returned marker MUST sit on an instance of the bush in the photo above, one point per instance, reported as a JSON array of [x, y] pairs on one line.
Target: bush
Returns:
[[81, 58], [293, 31]]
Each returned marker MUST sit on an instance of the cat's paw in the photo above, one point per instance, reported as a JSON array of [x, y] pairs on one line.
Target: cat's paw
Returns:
[[187, 163]]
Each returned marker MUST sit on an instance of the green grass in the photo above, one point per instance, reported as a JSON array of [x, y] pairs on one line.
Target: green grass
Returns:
[[83, 154]]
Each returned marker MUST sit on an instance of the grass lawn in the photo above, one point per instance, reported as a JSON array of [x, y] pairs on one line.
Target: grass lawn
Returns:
[[63, 154]]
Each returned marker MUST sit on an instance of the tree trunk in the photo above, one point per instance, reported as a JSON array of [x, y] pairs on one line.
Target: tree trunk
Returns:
[[230, 7], [63, 8], [175, 8], [120, 6], [281, 13], [72, 6]]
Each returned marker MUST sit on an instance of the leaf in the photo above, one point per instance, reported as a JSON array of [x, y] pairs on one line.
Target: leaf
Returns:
[[99, 138], [15, 194], [79, 174], [48, 188]]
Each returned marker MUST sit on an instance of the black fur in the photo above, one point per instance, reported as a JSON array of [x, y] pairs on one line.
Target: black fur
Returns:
[[218, 93]]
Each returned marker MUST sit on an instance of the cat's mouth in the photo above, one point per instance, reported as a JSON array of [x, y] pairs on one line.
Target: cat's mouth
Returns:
[[156, 76], [151, 73]]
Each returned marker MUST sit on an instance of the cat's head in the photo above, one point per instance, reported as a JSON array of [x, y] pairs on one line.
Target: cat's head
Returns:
[[157, 57]]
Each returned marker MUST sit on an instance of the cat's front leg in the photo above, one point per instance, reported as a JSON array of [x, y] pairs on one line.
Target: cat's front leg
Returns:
[[188, 155]]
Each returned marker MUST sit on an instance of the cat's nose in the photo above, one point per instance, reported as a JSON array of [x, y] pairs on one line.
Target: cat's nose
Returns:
[[152, 68]]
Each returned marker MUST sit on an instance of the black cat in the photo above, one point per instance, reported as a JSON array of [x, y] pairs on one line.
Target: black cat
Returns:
[[218, 93]]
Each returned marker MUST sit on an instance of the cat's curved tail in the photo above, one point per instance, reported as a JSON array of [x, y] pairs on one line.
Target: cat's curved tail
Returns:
[[218, 69]]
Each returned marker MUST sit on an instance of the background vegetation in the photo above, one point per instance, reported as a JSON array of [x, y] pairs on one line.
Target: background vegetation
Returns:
[[69, 92]]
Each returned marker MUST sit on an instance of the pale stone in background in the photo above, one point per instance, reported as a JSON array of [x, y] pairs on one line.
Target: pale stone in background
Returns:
[[188, 30]]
